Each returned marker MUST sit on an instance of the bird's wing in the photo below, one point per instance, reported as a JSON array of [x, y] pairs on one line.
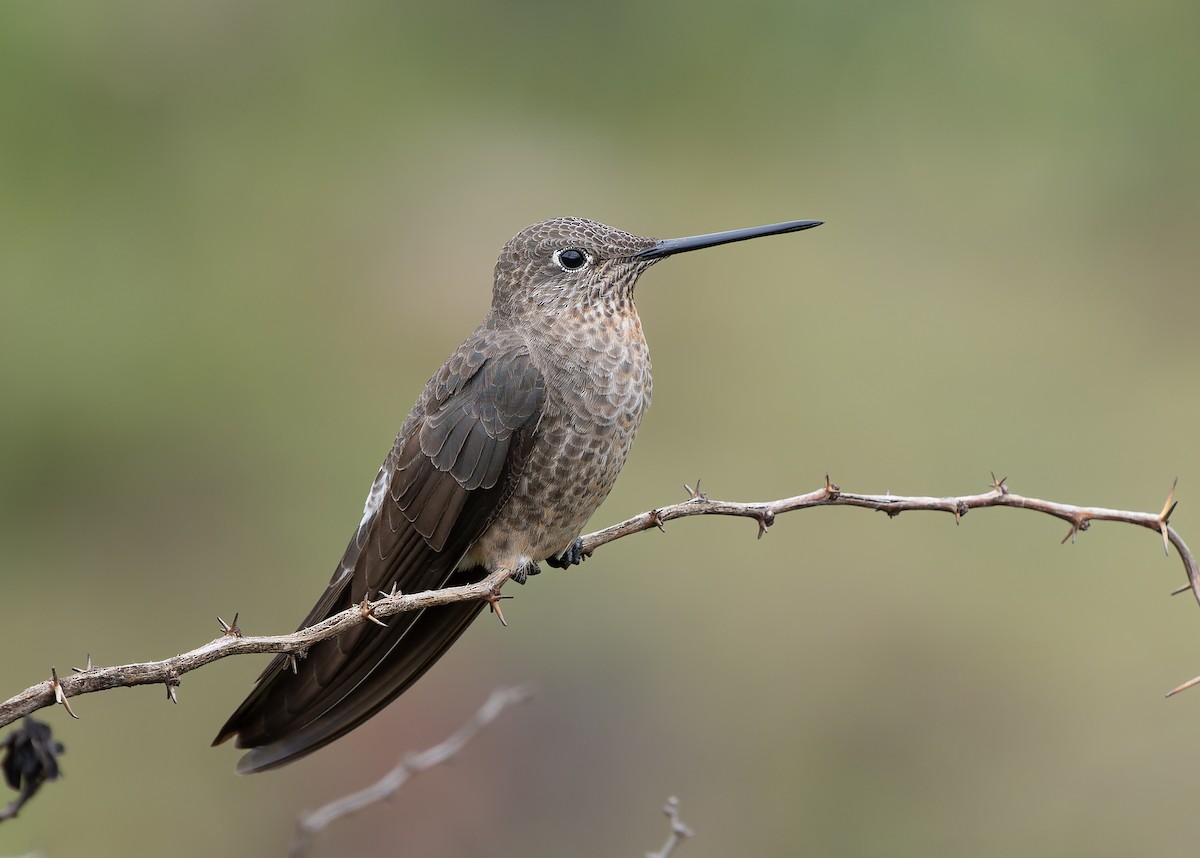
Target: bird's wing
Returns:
[[453, 466]]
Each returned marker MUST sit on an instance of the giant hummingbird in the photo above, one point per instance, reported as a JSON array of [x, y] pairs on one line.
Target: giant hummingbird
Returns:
[[510, 448]]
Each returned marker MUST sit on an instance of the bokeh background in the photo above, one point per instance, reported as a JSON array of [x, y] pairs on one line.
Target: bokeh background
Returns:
[[237, 237]]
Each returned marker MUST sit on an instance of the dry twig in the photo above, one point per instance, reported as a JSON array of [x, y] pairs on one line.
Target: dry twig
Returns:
[[232, 642], [679, 831], [314, 821]]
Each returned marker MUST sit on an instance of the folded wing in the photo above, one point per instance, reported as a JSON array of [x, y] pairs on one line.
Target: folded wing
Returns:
[[454, 465]]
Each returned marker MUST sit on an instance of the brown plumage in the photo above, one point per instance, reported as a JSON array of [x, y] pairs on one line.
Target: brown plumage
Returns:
[[508, 451]]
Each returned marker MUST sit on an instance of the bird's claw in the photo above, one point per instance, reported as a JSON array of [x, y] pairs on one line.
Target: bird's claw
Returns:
[[521, 575], [573, 556]]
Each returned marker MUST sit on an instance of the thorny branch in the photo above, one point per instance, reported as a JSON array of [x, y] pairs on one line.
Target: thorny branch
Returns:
[[314, 821], [58, 689]]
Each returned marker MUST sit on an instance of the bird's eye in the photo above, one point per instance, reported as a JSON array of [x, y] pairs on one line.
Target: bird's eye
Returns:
[[571, 259]]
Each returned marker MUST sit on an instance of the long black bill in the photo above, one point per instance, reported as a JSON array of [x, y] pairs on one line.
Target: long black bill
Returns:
[[669, 246]]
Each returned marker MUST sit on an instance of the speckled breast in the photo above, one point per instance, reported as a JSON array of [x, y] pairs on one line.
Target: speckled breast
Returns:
[[597, 371]]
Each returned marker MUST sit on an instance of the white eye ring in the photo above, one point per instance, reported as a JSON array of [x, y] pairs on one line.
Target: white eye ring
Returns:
[[577, 260]]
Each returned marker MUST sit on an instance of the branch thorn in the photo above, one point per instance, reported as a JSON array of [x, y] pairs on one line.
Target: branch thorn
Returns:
[[766, 518], [84, 669], [59, 695], [230, 630], [1080, 523], [1164, 517], [1170, 503], [960, 509], [364, 608], [493, 599]]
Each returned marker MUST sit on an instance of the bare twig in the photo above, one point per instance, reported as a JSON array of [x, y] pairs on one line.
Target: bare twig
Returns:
[[679, 831], [168, 671], [314, 821]]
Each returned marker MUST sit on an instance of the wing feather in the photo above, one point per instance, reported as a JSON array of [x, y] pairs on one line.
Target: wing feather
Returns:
[[453, 467]]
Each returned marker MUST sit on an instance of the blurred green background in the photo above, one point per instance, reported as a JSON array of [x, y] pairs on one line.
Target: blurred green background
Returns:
[[237, 237]]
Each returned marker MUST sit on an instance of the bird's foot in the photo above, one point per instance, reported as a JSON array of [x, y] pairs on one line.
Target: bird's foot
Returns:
[[573, 556], [522, 574]]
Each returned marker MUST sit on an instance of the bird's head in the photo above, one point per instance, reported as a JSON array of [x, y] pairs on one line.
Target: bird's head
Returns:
[[570, 262]]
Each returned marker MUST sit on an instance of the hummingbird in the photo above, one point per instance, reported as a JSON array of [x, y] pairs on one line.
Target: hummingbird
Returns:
[[508, 451]]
